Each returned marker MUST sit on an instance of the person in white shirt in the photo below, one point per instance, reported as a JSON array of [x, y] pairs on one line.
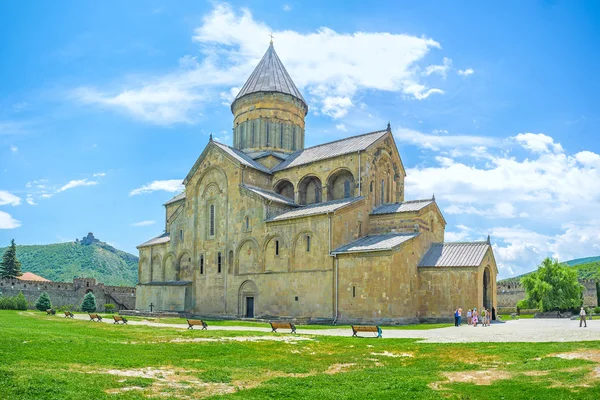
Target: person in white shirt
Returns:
[[582, 317]]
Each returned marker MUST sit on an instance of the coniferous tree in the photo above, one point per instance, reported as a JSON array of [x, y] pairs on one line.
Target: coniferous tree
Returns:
[[10, 267], [43, 302], [89, 303]]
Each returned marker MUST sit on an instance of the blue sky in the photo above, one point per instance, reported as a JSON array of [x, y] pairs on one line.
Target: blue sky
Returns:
[[104, 107]]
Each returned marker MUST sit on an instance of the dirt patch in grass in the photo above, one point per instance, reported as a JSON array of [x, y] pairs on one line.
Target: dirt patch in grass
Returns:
[[482, 377], [536, 373], [589, 355], [337, 368], [390, 354]]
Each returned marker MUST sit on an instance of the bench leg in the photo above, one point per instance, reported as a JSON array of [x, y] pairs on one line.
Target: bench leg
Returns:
[[190, 327], [274, 330], [294, 330], [204, 328]]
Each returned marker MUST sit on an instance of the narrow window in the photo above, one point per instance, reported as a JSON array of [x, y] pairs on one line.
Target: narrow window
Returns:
[[353, 291], [212, 220], [346, 188], [371, 187], [219, 262], [294, 138], [277, 247], [253, 142], [202, 264], [267, 133], [307, 243], [317, 194], [247, 223], [181, 235], [359, 229], [281, 135], [382, 191]]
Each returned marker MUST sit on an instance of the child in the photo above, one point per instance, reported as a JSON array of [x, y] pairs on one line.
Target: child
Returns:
[[469, 314]]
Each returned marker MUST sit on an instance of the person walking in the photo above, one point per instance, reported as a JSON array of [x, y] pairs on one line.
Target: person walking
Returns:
[[582, 317], [456, 317], [459, 316], [469, 315], [483, 320], [474, 318]]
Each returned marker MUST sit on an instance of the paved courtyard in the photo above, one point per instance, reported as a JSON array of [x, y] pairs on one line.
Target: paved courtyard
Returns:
[[523, 330]]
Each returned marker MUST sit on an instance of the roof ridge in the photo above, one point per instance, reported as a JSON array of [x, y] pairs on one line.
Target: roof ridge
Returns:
[[474, 242], [341, 140]]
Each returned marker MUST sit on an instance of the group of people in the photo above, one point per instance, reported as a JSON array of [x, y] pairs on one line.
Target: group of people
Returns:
[[473, 317]]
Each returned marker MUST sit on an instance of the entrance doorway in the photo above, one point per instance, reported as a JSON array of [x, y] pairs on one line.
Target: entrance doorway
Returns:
[[249, 307]]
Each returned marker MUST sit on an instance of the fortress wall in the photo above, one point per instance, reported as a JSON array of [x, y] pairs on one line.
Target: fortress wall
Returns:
[[65, 293], [510, 293]]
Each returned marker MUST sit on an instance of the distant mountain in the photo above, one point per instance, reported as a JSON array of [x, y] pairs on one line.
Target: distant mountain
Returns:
[[85, 258], [587, 268]]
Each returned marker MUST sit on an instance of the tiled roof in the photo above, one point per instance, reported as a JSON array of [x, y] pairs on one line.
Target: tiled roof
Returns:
[[175, 199], [269, 195], [331, 149], [242, 157], [270, 76], [164, 238], [314, 209], [259, 154], [30, 276], [375, 243], [468, 254], [407, 206]]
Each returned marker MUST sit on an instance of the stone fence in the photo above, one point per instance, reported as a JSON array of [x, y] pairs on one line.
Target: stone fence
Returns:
[[509, 293]]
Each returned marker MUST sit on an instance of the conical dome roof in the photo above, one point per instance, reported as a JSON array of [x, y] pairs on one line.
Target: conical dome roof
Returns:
[[270, 76]]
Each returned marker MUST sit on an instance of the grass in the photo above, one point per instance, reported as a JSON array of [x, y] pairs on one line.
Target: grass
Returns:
[[44, 357]]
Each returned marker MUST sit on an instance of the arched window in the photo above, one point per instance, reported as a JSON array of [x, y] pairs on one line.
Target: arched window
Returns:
[[281, 135], [211, 224], [371, 187], [277, 247], [247, 223], [317, 194], [382, 191], [307, 243], [346, 188], [202, 264], [230, 261], [219, 263], [267, 123]]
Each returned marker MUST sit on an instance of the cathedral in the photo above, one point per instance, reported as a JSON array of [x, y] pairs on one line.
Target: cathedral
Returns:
[[269, 228]]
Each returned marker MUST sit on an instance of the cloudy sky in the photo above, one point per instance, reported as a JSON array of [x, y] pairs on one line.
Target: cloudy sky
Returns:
[[104, 107]]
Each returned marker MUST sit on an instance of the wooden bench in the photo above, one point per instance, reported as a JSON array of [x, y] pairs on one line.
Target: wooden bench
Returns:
[[95, 317], [366, 328], [50, 311], [69, 314], [283, 325], [198, 322], [118, 319]]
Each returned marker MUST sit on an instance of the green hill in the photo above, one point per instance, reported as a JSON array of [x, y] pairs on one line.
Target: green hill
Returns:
[[86, 258], [587, 268]]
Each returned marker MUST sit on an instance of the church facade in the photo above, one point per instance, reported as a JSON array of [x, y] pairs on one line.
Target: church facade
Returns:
[[270, 228]]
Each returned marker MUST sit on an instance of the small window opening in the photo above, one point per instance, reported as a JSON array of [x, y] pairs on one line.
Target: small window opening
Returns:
[[308, 243], [212, 220], [346, 188], [296, 298], [277, 247], [359, 229], [247, 223], [219, 262], [181, 235], [353, 291], [202, 265]]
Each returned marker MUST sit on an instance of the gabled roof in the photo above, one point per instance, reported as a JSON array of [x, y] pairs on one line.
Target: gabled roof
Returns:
[[270, 76], [332, 149], [30, 276], [407, 206], [270, 195], [175, 199], [464, 254], [315, 209], [264, 153], [164, 238], [371, 243], [234, 154]]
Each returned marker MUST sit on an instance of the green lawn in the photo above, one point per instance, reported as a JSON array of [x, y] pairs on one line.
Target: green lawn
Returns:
[[44, 357]]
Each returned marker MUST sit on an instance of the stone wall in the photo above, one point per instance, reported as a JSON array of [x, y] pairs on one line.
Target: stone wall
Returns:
[[71, 294], [509, 293]]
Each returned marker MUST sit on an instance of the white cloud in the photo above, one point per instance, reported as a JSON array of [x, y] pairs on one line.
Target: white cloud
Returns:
[[331, 67], [9, 198], [8, 222], [466, 72], [14, 149], [143, 223], [439, 69], [30, 200], [75, 183], [437, 142], [171, 185], [341, 127], [287, 7], [99, 174], [538, 142]]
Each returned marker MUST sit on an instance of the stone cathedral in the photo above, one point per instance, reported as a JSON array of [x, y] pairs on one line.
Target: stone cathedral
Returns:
[[269, 228]]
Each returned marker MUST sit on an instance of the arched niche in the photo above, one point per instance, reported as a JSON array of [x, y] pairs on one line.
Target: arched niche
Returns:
[[144, 270], [276, 254], [248, 257], [285, 188], [303, 251], [340, 185], [248, 299], [170, 268], [156, 269], [310, 190], [185, 271]]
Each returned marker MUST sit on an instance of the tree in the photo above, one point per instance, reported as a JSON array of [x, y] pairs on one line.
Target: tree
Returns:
[[552, 287], [598, 293], [43, 302], [20, 302], [89, 303], [10, 267]]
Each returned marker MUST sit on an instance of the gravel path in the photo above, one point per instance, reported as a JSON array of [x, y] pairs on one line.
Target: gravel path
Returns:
[[523, 330]]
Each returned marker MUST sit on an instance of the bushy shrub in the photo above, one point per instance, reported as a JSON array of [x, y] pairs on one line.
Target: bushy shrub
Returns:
[[109, 308], [89, 303], [7, 303], [67, 307], [597, 310], [43, 302], [20, 302]]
